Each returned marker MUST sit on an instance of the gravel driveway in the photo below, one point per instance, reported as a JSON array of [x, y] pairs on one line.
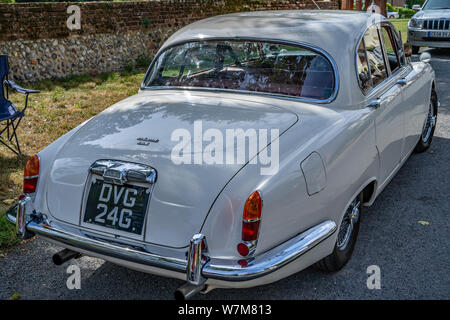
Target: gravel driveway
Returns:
[[413, 258]]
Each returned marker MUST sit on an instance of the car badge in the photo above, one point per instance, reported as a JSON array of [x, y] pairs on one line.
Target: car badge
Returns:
[[146, 141]]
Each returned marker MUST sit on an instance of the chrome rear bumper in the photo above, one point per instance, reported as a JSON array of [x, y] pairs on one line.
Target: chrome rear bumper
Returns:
[[198, 267]]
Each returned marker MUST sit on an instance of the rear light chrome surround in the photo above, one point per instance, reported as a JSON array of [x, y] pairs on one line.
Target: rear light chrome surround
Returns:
[[247, 248]]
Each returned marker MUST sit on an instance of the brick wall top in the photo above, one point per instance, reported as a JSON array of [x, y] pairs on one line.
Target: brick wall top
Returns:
[[30, 21]]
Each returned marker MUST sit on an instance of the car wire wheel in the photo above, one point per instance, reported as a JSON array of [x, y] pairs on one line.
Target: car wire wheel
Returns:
[[351, 217], [346, 238], [430, 123]]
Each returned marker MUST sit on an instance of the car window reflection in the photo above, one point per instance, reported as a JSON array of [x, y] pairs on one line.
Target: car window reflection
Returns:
[[375, 55], [245, 65]]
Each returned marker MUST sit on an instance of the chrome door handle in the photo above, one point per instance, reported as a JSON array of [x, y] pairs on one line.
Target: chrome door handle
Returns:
[[402, 82], [375, 104]]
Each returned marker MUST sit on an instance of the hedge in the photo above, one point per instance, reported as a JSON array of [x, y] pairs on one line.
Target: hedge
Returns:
[[403, 13]]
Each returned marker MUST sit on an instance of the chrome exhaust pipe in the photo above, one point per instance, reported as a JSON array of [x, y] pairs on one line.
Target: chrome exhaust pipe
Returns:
[[187, 291], [64, 255]]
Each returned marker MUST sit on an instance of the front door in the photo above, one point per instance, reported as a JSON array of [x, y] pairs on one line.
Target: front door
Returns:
[[389, 130], [385, 97]]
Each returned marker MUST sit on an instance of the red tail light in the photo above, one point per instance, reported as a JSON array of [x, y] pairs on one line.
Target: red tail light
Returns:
[[250, 230], [31, 175], [251, 220]]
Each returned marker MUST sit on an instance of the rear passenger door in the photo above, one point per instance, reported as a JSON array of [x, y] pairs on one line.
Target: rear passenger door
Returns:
[[380, 73]]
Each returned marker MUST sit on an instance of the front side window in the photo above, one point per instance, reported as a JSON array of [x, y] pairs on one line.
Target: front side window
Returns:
[[375, 55], [390, 47], [399, 44], [245, 65]]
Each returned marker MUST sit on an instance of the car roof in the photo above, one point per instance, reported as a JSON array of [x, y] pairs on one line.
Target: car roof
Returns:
[[331, 30]]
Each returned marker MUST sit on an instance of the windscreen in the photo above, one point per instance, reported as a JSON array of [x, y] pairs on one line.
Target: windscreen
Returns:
[[245, 65], [437, 4]]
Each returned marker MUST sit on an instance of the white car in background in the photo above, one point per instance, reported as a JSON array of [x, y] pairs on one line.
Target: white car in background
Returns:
[[346, 122], [392, 15]]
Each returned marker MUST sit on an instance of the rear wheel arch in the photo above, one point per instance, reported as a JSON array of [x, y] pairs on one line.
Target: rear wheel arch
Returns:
[[368, 193]]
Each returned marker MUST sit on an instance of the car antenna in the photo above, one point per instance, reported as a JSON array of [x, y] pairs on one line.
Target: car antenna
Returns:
[[316, 4]]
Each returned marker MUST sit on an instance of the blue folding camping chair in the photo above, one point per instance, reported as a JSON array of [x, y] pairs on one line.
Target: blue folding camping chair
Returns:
[[10, 117]]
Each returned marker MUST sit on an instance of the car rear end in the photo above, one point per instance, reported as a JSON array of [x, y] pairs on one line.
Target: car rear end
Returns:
[[201, 268]]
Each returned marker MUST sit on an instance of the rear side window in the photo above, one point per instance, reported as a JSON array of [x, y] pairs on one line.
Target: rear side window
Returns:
[[399, 45], [365, 82], [391, 49], [375, 55]]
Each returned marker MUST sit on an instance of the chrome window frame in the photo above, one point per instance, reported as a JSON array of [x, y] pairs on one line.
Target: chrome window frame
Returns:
[[394, 34], [399, 42], [388, 68], [370, 71], [307, 46]]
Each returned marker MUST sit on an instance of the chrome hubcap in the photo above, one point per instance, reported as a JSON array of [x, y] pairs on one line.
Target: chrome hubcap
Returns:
[[351, 217], [429, 124]]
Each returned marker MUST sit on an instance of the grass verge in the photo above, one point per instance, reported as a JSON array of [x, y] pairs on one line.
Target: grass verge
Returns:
[[7, 233]]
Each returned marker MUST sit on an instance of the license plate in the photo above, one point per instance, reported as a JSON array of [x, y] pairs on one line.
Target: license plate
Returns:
[[439, 34], [120, 207]]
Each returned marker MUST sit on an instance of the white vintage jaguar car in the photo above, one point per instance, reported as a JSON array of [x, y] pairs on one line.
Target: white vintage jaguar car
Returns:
[[248, 154]]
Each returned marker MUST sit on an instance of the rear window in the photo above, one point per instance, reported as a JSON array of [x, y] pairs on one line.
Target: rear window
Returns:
[[245, 65]]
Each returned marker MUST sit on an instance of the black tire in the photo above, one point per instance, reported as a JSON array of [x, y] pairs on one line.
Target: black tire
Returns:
[[429, 126], [415, 50], [341, 254]]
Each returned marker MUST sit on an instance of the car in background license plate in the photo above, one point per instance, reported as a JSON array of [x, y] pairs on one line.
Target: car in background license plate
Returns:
[[120, 207], [439, 34]]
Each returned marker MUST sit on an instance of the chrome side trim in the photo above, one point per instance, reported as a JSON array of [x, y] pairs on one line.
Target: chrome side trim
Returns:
[[271, 260]]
